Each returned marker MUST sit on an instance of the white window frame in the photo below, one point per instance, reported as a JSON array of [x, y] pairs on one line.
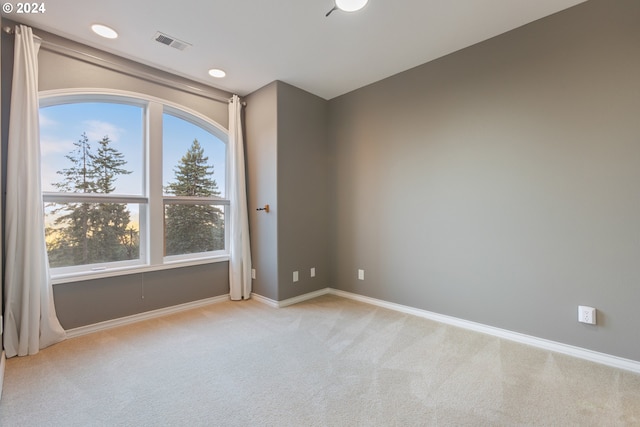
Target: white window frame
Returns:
[[152, 200]]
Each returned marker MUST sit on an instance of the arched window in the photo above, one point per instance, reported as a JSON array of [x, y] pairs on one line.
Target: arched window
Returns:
[[130, 182]]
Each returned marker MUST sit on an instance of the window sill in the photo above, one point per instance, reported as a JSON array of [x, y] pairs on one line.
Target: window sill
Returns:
[[137, 269]]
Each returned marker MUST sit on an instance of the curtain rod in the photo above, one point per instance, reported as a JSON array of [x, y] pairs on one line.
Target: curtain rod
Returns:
[[124, 69]]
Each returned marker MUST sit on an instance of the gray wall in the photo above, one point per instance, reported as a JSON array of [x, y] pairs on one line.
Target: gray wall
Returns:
[[287, 161], [303, 187], [6, 76], [261, 114], [4, 120], [499, 184], [90, 301]]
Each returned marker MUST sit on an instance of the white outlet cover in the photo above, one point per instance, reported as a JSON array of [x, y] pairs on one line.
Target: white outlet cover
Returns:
[[313, 272], [295, 276], [253, 273], [586, 315], [360, 274]]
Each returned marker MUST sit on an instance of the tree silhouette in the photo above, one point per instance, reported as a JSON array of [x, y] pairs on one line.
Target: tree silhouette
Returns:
[[111, 220], [72, 244], [87, 233], [191, 228]]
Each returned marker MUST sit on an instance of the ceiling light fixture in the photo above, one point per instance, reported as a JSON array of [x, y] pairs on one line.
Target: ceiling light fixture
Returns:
[[217, 73], [348, 5], [104, 31]]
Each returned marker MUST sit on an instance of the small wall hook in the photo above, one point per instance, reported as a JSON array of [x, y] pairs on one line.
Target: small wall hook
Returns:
[[266, 209]]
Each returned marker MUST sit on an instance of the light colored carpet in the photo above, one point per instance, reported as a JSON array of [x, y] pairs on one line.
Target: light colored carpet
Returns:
[[326, 362]]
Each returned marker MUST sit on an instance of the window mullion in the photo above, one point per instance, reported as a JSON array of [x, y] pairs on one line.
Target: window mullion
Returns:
[[154, 166], [185, 200], [50, 197]]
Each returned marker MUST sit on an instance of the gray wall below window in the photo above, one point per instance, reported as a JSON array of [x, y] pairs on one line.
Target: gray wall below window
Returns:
[[92, 301], [499, 184]]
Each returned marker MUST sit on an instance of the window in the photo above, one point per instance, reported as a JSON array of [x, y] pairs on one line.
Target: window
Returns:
[[194, 204], [123, 176], [92, 178]]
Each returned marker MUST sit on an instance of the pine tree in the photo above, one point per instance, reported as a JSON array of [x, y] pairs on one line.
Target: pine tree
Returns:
[[110, 220], [72, 246], [107, 165], [86, 233], [193, 228], [79, 177]]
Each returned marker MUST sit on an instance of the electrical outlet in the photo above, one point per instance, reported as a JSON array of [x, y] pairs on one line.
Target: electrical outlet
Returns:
[[586, 315], [253, 273], [360, 274], [295, 276], [313, 272]]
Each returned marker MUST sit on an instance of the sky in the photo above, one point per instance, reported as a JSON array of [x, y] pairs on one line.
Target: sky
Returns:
[[62, 125]]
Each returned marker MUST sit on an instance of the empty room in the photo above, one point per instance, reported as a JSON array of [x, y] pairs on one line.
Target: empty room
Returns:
[[320, 213]]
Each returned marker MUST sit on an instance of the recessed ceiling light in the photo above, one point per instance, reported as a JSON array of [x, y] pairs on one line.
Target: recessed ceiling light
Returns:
[[104, 31], [217, 73], [351, 5]]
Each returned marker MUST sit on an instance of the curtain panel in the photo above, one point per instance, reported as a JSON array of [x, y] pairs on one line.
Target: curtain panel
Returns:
[[30, 317], [239, 245]]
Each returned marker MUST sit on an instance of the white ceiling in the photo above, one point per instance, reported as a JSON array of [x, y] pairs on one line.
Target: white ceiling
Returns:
[[259, 41]]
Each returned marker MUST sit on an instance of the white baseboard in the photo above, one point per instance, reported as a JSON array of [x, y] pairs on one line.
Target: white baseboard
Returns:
[[3, 361], [108, 324], [264, 300], [579, 352], [570, 350], [290, 301]]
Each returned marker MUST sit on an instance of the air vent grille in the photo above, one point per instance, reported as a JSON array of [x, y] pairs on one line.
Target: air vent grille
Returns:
[[171, 41]]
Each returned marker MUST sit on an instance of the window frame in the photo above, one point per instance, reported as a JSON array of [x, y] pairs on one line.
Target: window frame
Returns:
[[152, 201]]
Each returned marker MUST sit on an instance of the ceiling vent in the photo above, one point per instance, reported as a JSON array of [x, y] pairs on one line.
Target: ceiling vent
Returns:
[[171, 41]]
